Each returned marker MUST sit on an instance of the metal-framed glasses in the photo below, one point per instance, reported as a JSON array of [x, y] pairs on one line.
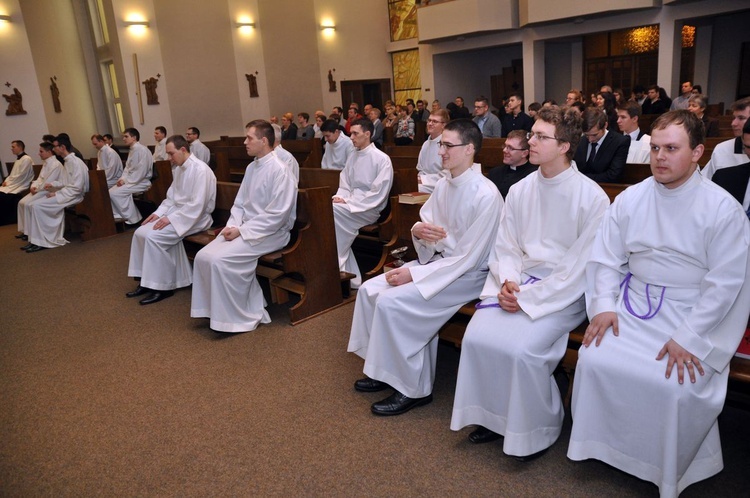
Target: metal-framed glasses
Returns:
[[509, 148], [542, 138]]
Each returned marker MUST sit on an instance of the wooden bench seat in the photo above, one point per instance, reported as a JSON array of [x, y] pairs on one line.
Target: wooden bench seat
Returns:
[[93, 217]]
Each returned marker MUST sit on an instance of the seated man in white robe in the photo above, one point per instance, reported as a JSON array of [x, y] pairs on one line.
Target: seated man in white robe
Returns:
[[533, 296], [224, 285], [667, 293], [338, 146], [136, 178], [284, 155], [107, 159], [13, 187], [45, 217], [197, 148], [157, 256], [730, 152], [397, 315], [430, 163], [364, 185], [50, 172], [628, 115], [160, 149]]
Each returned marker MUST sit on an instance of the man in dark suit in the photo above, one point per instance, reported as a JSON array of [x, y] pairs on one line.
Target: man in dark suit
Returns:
[[736, 179], [516, 119], [603, 155]]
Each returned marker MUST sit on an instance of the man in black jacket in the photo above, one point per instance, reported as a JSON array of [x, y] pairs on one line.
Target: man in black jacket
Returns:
[[603, 155]]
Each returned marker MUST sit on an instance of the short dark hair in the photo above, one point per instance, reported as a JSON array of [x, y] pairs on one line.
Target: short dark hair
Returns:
[[516, 95], [48, 138], [535, 106], [567, 124], [694, 127], [63, 141], [329, 125], [366, 125], [482, 98], [304, 115], [262, 129], [195, 130], [108, 136], [19, 143], [594, 117], [161, 129], [654, 87], [632, 108], [179, 142], [133, 133], [46, 146], [468, 131], [339, 109], [741, 104]]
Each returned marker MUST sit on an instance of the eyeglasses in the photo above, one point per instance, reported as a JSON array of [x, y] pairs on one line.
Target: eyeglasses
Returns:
[[508, 147], [542, 138], [449, 145], [434, 121]]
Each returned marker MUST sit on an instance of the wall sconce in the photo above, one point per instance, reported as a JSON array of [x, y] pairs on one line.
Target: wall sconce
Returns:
[[245, 24], [143, 24], [4, 17], [327, 27]]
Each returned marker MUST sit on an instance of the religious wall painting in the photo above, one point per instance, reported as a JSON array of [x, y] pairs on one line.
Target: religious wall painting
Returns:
[[252, 82], [407, 81], [402, 15], [152, 98]]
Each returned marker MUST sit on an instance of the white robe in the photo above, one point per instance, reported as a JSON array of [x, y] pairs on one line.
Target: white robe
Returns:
[[639, 151], [160, 150], [336, 155], [158, 256], [21, 176], [364, 184], [430, 165], [725, 154], [137, 178], [505, 378], [46, 215], [50, 172], [693, 241], [395, 328], [287, 158], [224, 285], [200, 150], [109, 161]]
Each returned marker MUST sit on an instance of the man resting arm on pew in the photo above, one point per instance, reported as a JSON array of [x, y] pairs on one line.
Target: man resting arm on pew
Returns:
[[666, 276], [397, 315], [364, 185], [224, 285], [157, 255], [533, 296], [46, 216]]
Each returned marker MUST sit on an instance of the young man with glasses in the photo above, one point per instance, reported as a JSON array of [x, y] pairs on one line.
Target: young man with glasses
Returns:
[[397, 315], [487, 122], [516, 165], [533, 297], [429, 163]]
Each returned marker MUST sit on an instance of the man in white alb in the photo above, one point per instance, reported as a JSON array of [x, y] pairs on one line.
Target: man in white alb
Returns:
[[197, 148], [532, 298], [224, 285], [157, 256], [45, 217], [730, 152], [364, 185], [338, 146], [17, 182], [430, 163], [136, 178], [666, 277], [107, 159], [397, 315], [50, 172], [284, 155], [160, 149]]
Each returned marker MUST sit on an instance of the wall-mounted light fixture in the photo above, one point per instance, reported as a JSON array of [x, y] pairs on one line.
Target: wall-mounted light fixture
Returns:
[[144, 24], [4, 17], [245, 24], [327, 27]]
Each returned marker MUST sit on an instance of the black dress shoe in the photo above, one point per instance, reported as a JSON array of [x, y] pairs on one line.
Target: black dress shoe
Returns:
[[368, 385], [27, 246], [156, 297], [139, 291], [34, 248], [531, 457], [22, 236], [483, 435], [397, 403]]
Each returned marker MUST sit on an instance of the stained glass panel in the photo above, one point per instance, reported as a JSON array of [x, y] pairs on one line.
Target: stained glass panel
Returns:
[[402, 15]]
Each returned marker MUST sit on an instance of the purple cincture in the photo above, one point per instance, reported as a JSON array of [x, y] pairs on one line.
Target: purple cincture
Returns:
[[626, 299]]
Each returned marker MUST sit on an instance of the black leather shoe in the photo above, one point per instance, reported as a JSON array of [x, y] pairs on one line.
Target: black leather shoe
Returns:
[[156, 297], [368, 385], [22, 236], [27, 246], [483, 435], [397, 403], [531, 457], [139, 291], [34, 248]]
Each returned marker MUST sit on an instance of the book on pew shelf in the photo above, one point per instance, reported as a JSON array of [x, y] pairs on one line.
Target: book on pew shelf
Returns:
[[744, 350], [413, 198]]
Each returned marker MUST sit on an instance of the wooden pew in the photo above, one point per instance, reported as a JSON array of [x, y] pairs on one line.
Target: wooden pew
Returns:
[[318, 177], [308, 153], [93, 217], [159, 184]]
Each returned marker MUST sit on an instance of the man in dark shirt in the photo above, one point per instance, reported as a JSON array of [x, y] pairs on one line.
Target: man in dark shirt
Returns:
[[516, 163], [516, 119]]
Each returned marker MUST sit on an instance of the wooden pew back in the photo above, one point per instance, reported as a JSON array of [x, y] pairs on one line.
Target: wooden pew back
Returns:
[[93, 215]]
